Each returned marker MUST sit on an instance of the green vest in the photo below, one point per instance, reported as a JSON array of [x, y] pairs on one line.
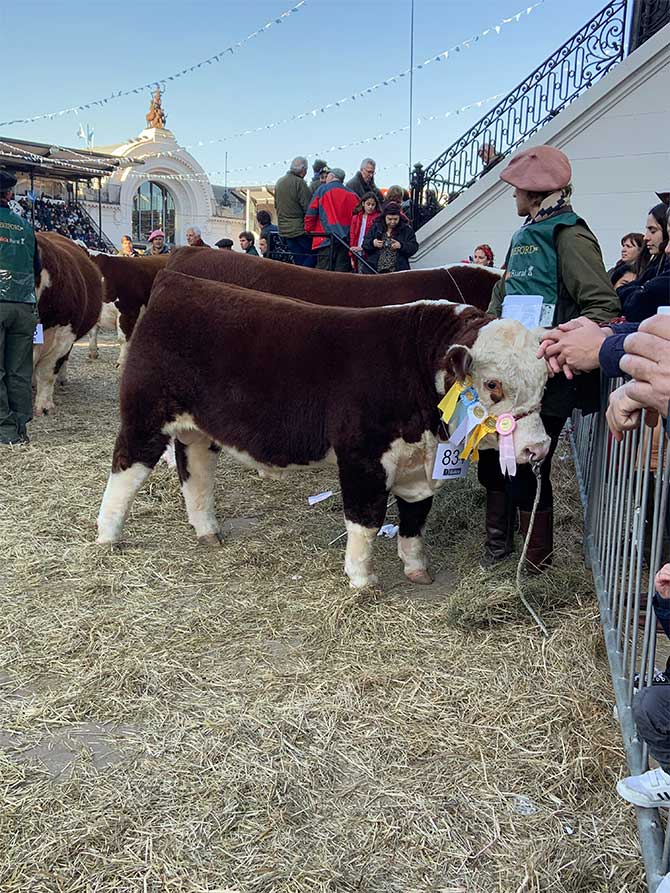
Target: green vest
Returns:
[[17, 255], [532, 263]]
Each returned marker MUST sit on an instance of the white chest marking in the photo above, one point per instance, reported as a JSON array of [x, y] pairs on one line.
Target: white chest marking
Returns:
[[409, 468]]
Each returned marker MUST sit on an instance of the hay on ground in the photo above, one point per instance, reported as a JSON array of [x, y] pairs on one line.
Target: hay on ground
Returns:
[[176, 718]]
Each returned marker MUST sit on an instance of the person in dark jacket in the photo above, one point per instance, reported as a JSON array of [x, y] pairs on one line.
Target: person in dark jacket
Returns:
[[329, 215], [20, 267], [321, 170], [292, 198], [641, 299], [554, 273], [390, 242], [632, 245], [247, 243], [364, 180]]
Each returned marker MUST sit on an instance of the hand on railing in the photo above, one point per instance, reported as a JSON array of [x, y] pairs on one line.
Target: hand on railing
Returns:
[[573, 347], [623, 413], [647, 361]]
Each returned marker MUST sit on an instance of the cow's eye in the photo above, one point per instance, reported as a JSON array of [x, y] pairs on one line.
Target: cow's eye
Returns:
[[495, 389]]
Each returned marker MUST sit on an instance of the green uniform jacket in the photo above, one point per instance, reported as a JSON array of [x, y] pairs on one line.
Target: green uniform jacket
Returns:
[[292, 198], [584, 290]]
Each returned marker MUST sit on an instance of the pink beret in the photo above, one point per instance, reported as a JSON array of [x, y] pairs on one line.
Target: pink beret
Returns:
[[155, 233], [538, 169]]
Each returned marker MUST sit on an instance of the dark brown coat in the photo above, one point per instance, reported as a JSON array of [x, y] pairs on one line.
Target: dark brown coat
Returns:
[[465, 283], [70, 292], [127, 282]]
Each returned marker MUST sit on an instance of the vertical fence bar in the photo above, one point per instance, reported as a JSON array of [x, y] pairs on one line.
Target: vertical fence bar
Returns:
[[614, 485]]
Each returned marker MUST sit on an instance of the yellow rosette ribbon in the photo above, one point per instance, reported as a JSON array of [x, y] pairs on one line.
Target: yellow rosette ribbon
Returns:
[[486, 426], [447, 404]]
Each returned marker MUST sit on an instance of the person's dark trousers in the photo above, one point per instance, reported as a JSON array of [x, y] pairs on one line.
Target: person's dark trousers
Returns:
[[17, 325], [340, 259], [301, 249], [520, 493], [651, 711]]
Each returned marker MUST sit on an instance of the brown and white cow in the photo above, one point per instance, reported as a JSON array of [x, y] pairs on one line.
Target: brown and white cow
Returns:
[[108, 321], [461, 283], [281, 384], [127, 282], [69, 300]]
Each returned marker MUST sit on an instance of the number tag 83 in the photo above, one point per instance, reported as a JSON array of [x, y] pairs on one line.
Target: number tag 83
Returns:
[[448, 464]]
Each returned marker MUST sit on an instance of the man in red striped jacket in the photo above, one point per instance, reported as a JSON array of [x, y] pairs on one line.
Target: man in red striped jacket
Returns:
[[330, 213]]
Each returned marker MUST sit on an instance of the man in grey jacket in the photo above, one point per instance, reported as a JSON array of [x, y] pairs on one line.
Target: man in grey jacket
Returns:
[[292, 198], [364, 180]]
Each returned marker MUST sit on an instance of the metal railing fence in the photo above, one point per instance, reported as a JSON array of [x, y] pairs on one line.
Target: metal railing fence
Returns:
[[624, 490]]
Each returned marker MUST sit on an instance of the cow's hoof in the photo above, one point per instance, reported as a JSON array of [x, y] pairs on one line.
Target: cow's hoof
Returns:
[[104, 541], [362, 582], [45, 410], [423, 578], [210, 539], [93, 355]]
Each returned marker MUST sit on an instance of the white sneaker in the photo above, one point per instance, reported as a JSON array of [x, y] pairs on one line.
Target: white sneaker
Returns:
[[650, 789], [664, 886]]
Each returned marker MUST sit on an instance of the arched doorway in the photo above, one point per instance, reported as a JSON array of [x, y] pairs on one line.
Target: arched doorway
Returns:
[[153, 208]]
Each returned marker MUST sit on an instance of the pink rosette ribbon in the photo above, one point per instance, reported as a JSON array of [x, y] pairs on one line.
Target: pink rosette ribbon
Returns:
[[505, 425]]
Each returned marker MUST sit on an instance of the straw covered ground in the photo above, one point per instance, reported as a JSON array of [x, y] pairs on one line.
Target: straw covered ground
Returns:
[[176, 718]]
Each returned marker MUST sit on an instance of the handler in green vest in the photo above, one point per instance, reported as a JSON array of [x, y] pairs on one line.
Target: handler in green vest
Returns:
[[19, 268], [554, 272]]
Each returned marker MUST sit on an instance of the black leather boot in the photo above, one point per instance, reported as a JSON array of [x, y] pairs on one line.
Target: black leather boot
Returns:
[[541, 545], [499, 543]]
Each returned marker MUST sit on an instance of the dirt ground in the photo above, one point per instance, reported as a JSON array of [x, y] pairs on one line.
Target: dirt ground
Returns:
[[178, 718]]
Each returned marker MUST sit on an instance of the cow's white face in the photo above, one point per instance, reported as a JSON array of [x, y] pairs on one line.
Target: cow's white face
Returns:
[[509, 379]]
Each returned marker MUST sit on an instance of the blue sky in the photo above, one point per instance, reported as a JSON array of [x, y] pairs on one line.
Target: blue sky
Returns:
[[75, 52]]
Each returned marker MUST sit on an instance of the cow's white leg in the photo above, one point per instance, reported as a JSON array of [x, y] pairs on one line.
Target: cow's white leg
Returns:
[[57, 342], [93, 343], [358, 556], [412, 554], [62, 376], [412, 519], [120, 491], [123, 350], [196, 464]]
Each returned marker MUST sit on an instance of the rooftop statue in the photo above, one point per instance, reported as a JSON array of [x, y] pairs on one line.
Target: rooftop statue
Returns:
[[156, 117]]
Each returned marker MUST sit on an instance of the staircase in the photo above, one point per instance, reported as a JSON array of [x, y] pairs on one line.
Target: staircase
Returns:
[[576, 66], [106, 241]]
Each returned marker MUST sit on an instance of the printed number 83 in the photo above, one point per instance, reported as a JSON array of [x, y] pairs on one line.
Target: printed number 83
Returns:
[[451, 457]]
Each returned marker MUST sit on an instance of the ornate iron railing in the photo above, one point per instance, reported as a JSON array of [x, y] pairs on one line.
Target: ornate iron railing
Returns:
[[582, 61], [648, 17]]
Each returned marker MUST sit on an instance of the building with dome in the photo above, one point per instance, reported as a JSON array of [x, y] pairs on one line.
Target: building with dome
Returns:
[[146, 183]]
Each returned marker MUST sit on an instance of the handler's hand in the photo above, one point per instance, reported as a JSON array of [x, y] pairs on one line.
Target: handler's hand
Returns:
[[378, 243], [623, 412], [573, 347], [647, 361], [662, 581]]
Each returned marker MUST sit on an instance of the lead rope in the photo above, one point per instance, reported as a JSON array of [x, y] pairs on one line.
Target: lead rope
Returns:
[[451, 275], [536, 466]]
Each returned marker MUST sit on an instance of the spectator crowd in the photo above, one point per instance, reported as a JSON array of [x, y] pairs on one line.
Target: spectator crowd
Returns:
[[66, 218]]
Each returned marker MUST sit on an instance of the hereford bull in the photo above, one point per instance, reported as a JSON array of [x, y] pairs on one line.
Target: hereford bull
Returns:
[[127, 282], [461, 283], [69, 300], [281, 384]]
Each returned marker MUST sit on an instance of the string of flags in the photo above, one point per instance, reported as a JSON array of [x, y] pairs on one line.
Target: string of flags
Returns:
[[335, 148], [312, 113], [367, 91], [218, 57]]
